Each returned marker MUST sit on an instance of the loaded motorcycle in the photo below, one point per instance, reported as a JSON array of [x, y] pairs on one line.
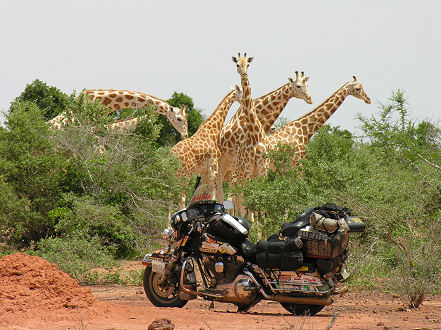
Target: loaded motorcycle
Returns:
[[208, 255]]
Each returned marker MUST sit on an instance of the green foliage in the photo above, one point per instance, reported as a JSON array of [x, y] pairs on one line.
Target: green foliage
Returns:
[[395, 135], [31, 175], [49, 99], [118, 276], [75, 254], [84, 183]]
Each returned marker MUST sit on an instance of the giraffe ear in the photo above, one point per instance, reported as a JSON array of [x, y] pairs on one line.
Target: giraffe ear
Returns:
[[234, 59], [291, 80], [184, 108], [306, 79], [355, 78], [250, 59]]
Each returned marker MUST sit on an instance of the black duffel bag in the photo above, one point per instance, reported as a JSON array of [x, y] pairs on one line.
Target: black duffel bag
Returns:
[[282, 255]]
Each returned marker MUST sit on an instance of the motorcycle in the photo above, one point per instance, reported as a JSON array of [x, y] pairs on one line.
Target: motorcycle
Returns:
[[208, 255]]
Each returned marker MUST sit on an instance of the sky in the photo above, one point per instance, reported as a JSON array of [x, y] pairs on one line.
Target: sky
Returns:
[[161, 46]]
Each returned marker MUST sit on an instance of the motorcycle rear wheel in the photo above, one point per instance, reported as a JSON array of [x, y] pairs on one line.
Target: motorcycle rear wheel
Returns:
[[298, 309], [160, 294]]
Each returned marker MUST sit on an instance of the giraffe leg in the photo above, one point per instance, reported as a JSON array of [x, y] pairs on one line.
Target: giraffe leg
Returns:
[[219, 189], [182, 201], [216, 180]]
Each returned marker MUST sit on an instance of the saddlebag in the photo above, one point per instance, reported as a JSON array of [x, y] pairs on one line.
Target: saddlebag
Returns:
[[282, 255], [319, 244]]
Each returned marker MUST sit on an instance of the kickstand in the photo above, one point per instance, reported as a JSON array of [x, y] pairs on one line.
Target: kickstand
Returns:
[[211, 305]]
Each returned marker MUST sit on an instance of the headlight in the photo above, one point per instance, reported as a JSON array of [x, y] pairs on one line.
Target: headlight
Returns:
[[167, 233], [178, 218]]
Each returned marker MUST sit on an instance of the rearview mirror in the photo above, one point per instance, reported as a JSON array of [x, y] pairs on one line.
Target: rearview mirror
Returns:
[[228, 205]]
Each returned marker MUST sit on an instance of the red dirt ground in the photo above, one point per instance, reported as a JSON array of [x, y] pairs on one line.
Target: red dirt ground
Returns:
[[35, 294]]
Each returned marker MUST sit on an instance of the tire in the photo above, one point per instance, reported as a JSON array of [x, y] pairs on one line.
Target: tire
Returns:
[[158, 294], [298, 309]]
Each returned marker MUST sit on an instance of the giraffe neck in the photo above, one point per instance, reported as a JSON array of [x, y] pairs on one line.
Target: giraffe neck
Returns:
[[122, 99], [247, 99], [254, 128], [217, 118], [270, 106], [311, 122]]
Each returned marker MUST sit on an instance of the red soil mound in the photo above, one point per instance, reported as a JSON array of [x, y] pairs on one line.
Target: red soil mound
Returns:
[[34, 286]]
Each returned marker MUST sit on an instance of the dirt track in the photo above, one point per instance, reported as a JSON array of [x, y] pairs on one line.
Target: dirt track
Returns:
[[355, 311], [128, 308], [34, 294]]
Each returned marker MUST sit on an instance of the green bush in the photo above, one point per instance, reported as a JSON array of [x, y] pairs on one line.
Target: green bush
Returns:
[[49, 99], [57, 183], [31, 173], [76, 254]]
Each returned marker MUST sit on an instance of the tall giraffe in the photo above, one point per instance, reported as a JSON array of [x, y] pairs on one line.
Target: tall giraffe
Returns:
[[268, 108], [200, 153], [120, 99], [249, 152], [298, 132]]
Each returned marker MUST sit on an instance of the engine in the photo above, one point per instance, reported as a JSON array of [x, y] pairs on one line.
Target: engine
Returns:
[[220, 259]]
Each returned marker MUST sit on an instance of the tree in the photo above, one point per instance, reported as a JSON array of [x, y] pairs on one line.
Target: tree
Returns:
[[31, 174], [120, 194], [49, 99]]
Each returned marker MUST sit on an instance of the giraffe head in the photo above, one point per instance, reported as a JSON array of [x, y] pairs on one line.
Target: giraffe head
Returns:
[[239, 94], [354, 88], [299, 87], [178, 117], [242, 63]]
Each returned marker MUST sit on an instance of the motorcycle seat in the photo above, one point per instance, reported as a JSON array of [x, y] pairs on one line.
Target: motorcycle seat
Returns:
[[289, 229]]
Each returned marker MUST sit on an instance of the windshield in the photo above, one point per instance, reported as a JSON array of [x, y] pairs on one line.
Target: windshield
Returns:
[[201, 194]]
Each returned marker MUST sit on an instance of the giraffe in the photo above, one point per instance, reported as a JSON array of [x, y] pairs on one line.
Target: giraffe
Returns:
[[120, 99], [200, 153], [249, 152], [268, 108], [298, 132]]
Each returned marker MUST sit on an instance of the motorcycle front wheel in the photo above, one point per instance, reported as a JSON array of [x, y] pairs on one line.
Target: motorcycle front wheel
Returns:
[[161, 293], [298, 309]]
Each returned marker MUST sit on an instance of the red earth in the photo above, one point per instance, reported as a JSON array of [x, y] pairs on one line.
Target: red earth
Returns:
[[35, 294]]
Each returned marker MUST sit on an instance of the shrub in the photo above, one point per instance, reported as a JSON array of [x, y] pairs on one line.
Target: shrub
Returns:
[[75, 254]]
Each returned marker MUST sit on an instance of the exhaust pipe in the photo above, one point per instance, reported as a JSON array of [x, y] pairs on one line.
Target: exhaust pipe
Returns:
[[324, 301]]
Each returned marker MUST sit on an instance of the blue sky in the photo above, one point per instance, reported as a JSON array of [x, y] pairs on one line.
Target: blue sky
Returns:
[[158, 47]]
